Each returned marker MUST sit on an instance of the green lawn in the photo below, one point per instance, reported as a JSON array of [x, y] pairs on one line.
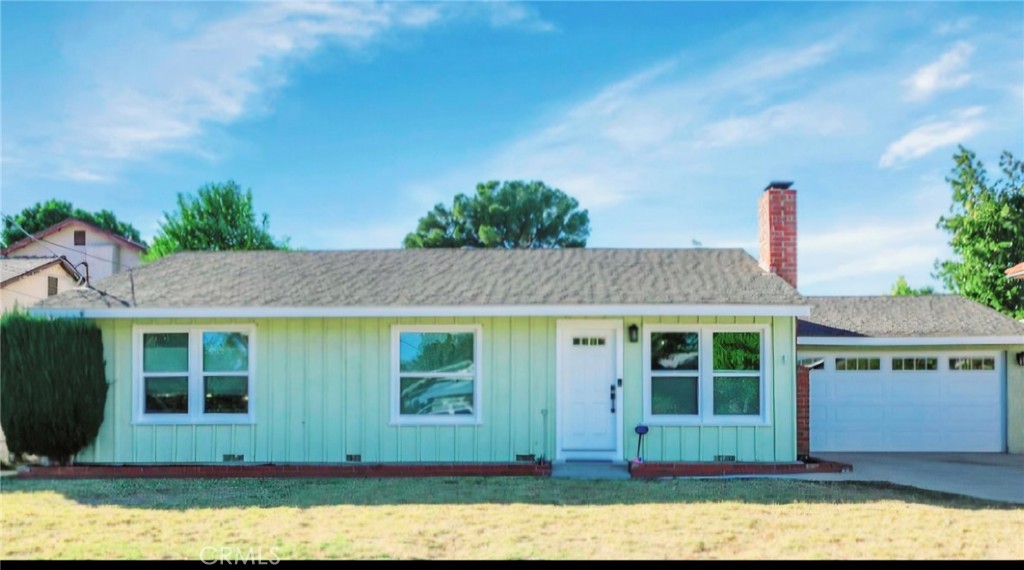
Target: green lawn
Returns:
[[498, 518]]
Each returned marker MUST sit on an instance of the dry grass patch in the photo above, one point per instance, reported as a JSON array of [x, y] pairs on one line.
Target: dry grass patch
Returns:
[[499, 518]]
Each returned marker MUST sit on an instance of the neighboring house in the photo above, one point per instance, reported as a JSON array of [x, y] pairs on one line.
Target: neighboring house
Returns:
[[928, 373], [29, 280], [1016, 272], [105, 252], [455, 355]]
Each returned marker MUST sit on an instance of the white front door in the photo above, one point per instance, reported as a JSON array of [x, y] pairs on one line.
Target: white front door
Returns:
[[590, 400]]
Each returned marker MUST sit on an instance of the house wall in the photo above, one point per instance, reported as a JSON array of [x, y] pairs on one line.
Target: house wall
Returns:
[[322, 391], [1013, 381], [30, 290], [104, 255]]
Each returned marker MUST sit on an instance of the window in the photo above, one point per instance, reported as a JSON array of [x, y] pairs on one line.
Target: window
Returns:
[[51, 286], [435, 374], [79, 237], [970, 364], [913, 364], [858, 364], [705, 374], [194, 374]]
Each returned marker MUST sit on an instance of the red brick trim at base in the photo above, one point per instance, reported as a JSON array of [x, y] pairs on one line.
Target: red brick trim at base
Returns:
[[657, 469], [803, 412], [370, 470]]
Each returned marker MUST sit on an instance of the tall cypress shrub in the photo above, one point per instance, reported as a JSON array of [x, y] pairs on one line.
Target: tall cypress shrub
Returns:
[[52, 385]]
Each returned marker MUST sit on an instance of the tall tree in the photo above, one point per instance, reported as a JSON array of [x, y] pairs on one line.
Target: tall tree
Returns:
[[42, 215], [986, 227], [220, 217], [512, 214], [903, 289]]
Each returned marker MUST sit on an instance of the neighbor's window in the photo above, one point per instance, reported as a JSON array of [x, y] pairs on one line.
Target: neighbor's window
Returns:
[[51, 286], [968, 364], [699, 374], [79, 237], [851, 364], [437, 378], [914, 364], [194, 374]]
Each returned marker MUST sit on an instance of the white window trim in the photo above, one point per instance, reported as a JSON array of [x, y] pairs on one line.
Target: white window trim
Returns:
[[706, 375], [195, 375], [397, 419]]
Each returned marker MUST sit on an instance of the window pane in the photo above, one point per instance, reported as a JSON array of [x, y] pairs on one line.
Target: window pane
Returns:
[[673, 395], [225, 352], [737, 351], [226, 395], [737, 396], [436, 352], [167, 395], [165, 352], [674, 351], [436, 396]]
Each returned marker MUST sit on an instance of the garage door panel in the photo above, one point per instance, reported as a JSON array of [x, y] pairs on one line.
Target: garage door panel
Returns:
[[886, 410]]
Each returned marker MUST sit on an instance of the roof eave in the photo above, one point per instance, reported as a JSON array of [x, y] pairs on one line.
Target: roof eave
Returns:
[[731, 310], [908, 341]]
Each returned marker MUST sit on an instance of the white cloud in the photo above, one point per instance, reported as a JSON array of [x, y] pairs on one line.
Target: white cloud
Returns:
[[787, 119], [944, 74], [934, 135], [955, 26], [178, 87]]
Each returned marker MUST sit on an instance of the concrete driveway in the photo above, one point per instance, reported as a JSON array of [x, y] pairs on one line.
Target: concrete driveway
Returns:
[[993, 476]]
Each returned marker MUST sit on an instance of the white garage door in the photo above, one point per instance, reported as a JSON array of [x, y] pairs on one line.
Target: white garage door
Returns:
[[907, 402]]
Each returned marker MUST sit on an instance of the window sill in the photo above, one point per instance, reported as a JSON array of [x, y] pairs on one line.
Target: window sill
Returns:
[[707, 422], [439, 421], [194, 421]]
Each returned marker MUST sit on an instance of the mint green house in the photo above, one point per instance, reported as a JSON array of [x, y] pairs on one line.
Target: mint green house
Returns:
[[499, 356], [445, 356]]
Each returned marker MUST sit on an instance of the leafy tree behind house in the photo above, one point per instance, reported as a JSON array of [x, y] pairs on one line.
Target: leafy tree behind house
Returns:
[[986, 227], [508, 215], [903, 289], [42, 215], [220, 217]]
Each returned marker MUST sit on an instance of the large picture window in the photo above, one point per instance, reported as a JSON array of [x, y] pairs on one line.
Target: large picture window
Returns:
[[193, 374], [435, 374], [700, 375]]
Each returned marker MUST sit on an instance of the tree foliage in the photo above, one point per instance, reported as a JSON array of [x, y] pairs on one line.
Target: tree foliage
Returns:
[[986, 227], [903, 289], [220, 217], [42, 215], [52, 386], [511, 214]]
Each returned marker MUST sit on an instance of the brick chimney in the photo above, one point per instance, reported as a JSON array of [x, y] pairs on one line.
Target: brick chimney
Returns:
[[776, 216]]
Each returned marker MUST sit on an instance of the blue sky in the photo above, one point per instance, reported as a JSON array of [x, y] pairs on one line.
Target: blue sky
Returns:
[[666, 120]]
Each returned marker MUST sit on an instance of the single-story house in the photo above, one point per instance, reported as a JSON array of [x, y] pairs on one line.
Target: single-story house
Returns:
[[25, 281], [99, 252], [929, 373], [456, 355]]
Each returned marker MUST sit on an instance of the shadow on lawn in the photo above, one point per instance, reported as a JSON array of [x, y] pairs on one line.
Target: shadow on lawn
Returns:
[[182, 494]]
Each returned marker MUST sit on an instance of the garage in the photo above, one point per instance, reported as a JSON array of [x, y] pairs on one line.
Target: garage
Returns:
[[924, 400]]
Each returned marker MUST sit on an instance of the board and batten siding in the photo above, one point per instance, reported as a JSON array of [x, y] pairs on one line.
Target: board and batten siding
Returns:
[[321, 392]]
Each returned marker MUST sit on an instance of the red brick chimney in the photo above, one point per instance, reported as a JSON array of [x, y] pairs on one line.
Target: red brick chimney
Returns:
[[776, 216]]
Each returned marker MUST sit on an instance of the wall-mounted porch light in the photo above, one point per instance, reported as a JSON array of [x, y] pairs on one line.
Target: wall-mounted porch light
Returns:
[[634, 333], [1020, 358]]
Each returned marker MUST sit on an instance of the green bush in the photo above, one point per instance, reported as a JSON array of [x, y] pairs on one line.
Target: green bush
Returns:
[[52, 385]]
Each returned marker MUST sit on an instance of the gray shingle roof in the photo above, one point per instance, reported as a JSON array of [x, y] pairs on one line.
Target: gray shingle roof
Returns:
[[14, 267], [887, 316], [440, 277]]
